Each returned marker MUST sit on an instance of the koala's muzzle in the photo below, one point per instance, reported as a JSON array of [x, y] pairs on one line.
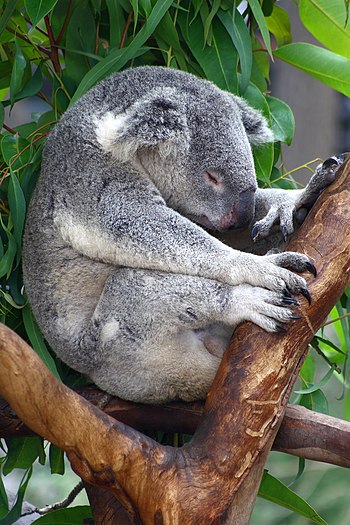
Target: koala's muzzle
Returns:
[[242, 212]]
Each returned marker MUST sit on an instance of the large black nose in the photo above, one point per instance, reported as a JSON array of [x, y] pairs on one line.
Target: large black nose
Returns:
[[243, 210]]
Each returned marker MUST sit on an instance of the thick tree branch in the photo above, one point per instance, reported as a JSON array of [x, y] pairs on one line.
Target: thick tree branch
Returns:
[[303, 433], [214, 478]]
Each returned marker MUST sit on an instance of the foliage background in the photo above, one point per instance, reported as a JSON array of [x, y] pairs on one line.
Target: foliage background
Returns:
[[55, 50]]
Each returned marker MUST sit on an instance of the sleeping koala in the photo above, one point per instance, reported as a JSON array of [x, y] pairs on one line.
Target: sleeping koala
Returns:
[[123, 277]]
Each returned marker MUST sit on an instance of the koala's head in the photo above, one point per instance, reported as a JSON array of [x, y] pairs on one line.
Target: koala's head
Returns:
[[194, 142]]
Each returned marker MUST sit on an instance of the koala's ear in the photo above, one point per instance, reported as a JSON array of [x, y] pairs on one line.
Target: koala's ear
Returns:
[[255, 123], [157, 120]]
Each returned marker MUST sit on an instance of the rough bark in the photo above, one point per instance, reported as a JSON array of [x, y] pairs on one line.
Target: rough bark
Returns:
[[302, 433], [214, 478]]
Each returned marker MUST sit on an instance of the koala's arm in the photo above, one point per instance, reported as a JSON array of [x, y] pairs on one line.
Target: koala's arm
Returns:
[[288, 208], [132, 226]]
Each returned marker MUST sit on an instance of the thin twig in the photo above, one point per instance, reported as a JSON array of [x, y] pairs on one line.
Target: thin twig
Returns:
[[10, 130], [54, 51], [65, 23], [125, 30], [26, 39]]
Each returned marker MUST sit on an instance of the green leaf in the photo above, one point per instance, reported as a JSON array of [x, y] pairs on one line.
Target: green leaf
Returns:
[[260, 20], [116, 22], [10, 6], [316, 401], [15, 150], [326, 20], [327, 67], [6, 261], [22, 452], [37, 9], [32, 87], [282, 119], [119, 57], [4, 504], [264, 154], [218, 61], [80, 36], [17, 75], [37, 340], [2, 115], [209, 19], [17, 205], [56, 457], [70, 516], [308, 369], [279, 25], [274, 490], [16, 510], [318, 385], [239, 35]]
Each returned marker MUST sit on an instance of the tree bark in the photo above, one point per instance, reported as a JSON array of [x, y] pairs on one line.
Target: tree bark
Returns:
[[214, 478], [302, 433]]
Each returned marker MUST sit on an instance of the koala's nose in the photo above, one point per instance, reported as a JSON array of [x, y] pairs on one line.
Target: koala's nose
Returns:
[[243, 210]]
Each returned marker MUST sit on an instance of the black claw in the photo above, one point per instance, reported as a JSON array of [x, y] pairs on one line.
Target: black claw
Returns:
[[328, 163], [290, 300], [280, 328], [287, 291], [305, 292], [284, 233], [295, 316], [255, 232], [311, 268]]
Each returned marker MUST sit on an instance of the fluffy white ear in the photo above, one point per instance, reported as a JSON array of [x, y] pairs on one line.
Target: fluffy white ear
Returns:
[[255, 123], [157, 120]]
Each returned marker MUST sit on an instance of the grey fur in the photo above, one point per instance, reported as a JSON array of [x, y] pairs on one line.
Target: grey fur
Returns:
[[126, 285]]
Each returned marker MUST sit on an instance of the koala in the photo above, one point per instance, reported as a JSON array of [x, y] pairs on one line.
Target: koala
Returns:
[[125, 277]]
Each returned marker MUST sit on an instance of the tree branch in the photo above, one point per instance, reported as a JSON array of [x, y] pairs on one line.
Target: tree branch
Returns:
[[303, 433], [215, 477]]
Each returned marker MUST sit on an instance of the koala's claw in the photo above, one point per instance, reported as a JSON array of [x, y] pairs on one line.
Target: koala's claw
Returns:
[[288, 299], [305, 293], [311, 268]]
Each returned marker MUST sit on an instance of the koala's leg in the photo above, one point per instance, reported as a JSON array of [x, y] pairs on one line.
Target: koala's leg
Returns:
[[158, 336]]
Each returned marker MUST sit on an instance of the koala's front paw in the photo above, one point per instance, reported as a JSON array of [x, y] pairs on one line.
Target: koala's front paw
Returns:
[[269, 310], [324, 175], [276, 272], [287, 207]]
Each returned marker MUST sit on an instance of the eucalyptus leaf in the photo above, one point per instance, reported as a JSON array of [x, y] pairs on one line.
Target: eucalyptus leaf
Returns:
[[21, 452], [17, 75], [218, 61], [326, 66], [10, 6], [278, 24], [274, 490], [37, 9], [17, 205], [317, 386], [282, 119], [260, 20], [56, 458], [37, 340], [6, 261], [239, 35], [119, 57], [2, 115], [327, 21], [16, 510]]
